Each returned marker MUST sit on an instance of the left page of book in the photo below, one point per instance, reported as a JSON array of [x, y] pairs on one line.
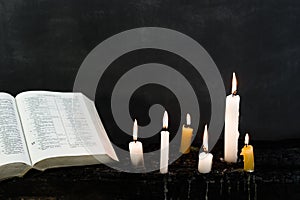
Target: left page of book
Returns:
[[14, 156], [12, 141]]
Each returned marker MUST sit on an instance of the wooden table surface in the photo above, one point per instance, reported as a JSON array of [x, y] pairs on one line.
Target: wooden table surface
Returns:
[[276, 176]]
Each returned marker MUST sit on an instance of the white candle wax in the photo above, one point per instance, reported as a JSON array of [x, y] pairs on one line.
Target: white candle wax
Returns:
[[205, 158], [205, 162], [136, 149], [136, 153], [164, 146], [164, 152], [231, 133]]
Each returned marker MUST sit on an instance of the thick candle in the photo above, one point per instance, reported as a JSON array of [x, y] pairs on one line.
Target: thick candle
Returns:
[[231, 133], [164, 146], [205, 158], [186, 137], [136, 149], [205, 162], [247, 152]]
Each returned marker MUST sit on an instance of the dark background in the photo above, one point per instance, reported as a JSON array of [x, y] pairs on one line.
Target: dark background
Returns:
[[44, 42]]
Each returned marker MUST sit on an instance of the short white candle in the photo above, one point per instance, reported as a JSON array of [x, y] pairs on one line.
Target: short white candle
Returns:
[[205, 158], [231, 133], [164, 146], [136, 149]]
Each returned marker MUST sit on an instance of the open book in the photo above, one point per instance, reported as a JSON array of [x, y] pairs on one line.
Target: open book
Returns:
[[40, 129]]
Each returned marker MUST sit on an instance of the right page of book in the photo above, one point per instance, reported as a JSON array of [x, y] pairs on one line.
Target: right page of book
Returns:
[[100, 129], [57, 125]]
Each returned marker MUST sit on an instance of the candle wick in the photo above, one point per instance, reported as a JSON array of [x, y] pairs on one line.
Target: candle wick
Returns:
[[234, 93]]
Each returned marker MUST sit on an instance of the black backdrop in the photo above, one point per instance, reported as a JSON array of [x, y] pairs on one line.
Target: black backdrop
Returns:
[[43, 43]]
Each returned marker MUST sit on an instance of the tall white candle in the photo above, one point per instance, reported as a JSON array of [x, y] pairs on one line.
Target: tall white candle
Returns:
[[164, 146], [231, 133], [205, 158], [136, 149]]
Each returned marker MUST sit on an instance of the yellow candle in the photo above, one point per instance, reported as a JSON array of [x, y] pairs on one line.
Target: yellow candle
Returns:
[[186, 137], [247, 152]]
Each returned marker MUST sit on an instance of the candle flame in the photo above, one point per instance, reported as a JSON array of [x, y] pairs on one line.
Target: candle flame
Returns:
[[165, 120], [234, 84], [188, 119], [205, 139], [246, 139], [135, 130]]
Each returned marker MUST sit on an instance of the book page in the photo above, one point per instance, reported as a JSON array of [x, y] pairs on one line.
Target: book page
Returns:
[[100, 128], [57, 124], [13, 147]]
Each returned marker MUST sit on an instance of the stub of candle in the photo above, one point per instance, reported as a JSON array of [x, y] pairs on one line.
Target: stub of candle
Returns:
[[247, 152], [205, 162], [164, 151], [136, 153]]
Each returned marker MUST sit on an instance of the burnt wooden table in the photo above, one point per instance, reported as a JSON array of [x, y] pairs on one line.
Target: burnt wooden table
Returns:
[[276, 176]]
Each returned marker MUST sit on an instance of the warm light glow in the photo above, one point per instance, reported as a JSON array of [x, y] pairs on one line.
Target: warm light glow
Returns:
[[205, 139], [188, 119], [135, 130], [247, 139], [234, 84], [165, 120]]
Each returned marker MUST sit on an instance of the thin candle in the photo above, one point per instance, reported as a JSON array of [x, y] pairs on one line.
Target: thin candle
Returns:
[[164, 145], [231, 133]]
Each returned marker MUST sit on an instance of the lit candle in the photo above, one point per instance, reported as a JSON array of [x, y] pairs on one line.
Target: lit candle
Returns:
[[136, 149], [186, 137], [231, 133], [205, 158], [164, 146], [247, 152]]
